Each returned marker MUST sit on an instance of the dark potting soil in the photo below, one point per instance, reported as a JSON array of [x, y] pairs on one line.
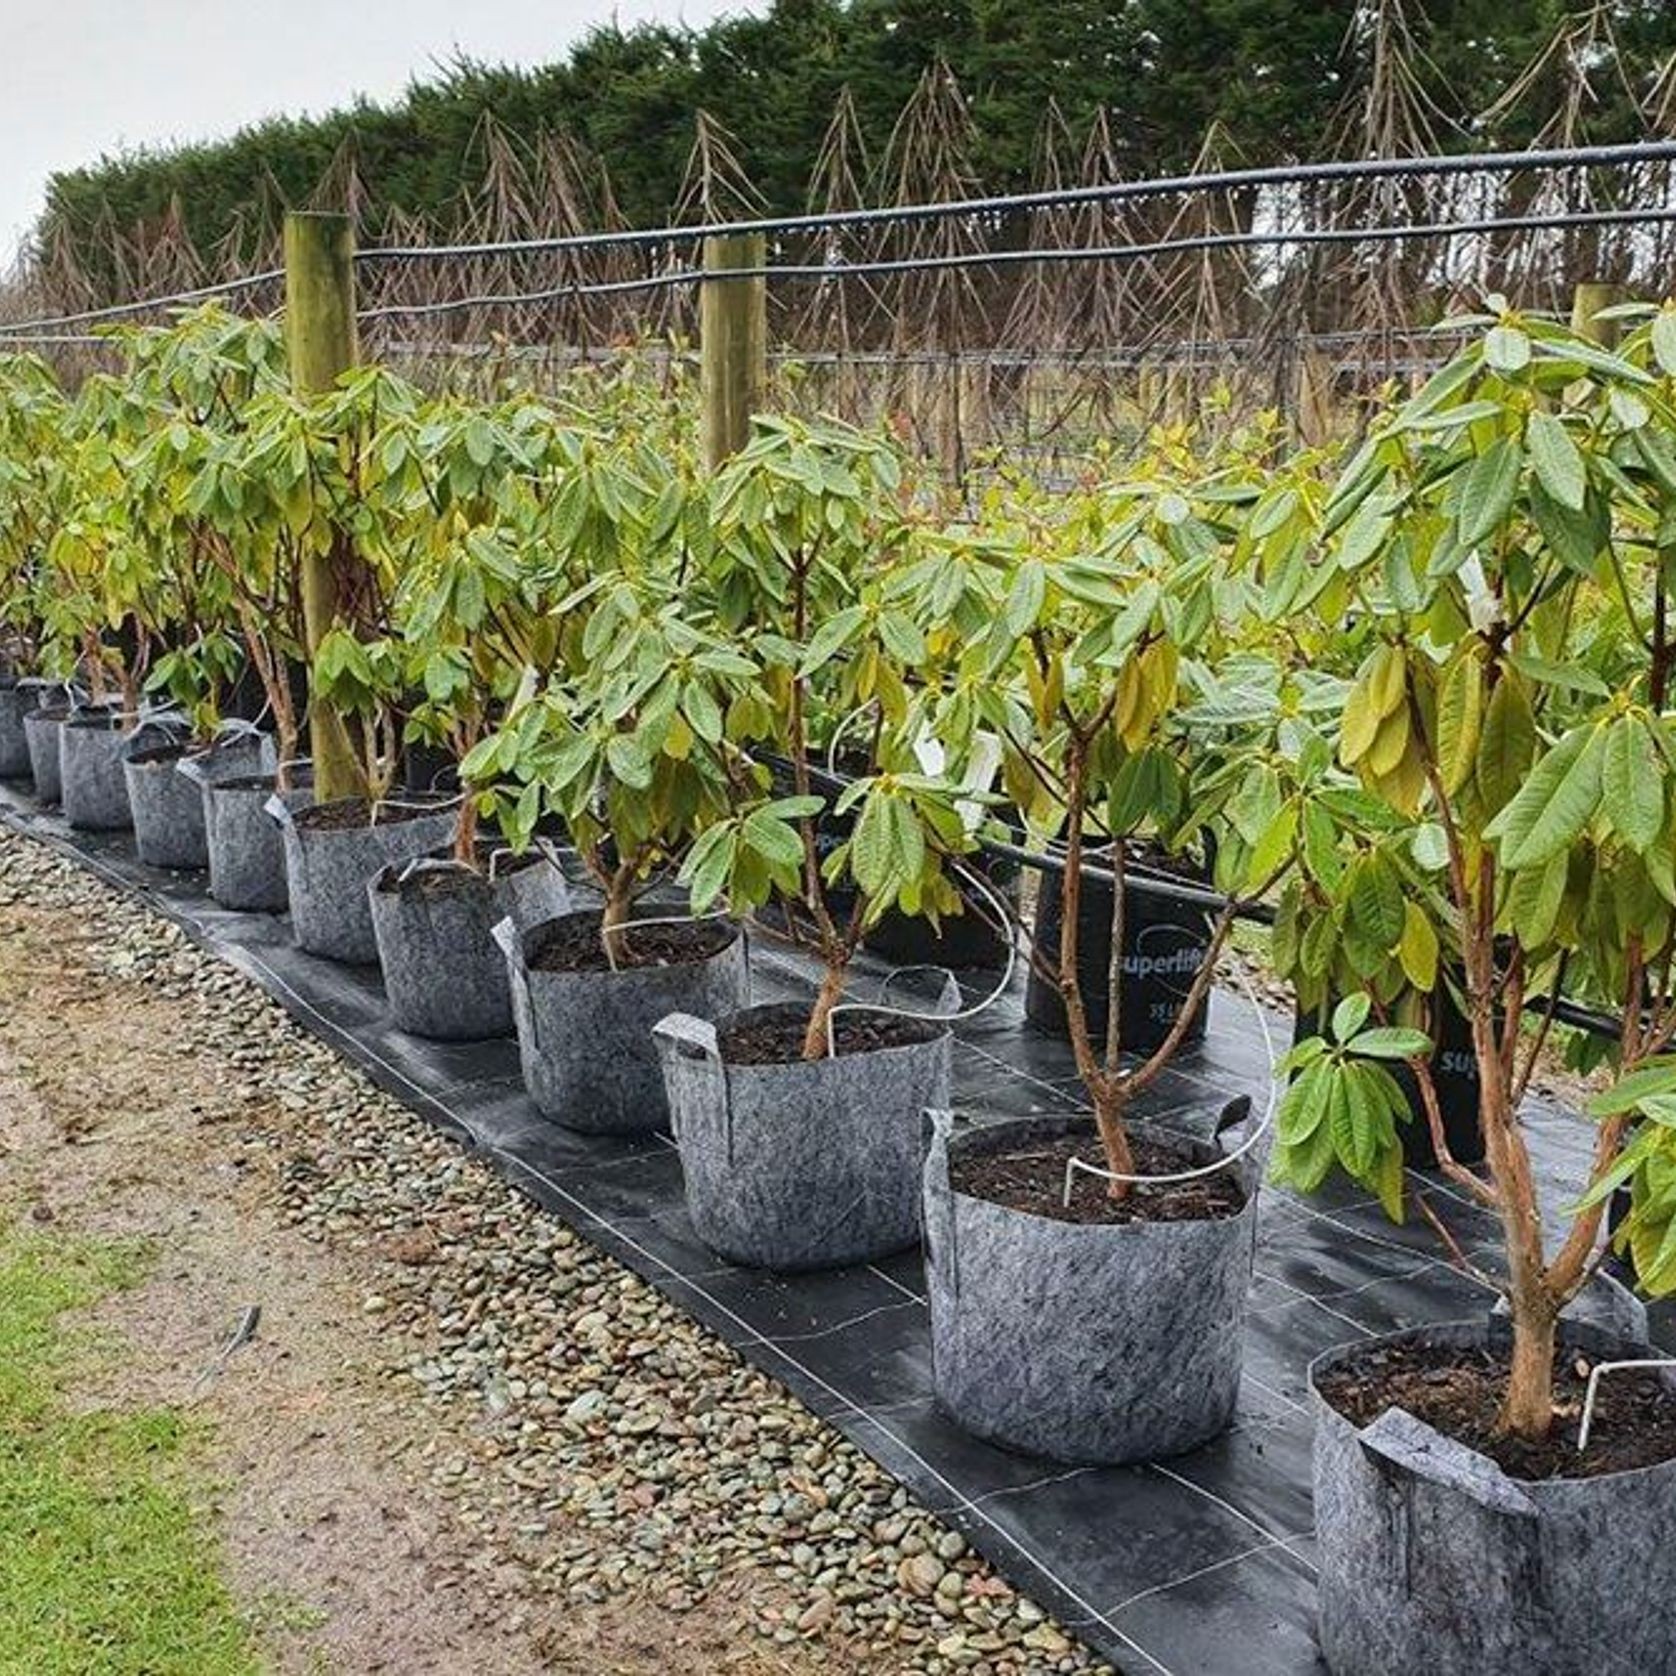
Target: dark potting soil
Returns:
[[1458, 1391], [159, 753], [574, 945], [1033, 1179], [97, 721], [776, 1038], [433, 882], [355, 814]]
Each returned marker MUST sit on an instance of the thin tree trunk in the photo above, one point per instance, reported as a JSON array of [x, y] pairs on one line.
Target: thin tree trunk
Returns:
[[615, 914], [465, 833], [93, 655], [815, 1042], [1528, 1406], [1110, 1102], [1114, 960], [1528, 1409]]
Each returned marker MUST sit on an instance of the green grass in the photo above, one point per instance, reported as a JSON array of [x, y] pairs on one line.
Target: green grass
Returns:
[[105, 1568]]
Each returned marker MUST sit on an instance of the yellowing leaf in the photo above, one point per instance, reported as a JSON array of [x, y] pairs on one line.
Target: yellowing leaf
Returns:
[[1460, 716], [1387, 676], [1361, 725], [1506, 744], [1418, 948], [1390, 744]]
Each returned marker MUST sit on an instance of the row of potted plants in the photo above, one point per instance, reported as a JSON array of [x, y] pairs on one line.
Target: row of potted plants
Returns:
[[1415, 702]]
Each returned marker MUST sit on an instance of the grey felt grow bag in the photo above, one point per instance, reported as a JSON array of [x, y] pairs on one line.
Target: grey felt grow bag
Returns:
[[246, 852], [805, 1164], [92, 787], [166, 788], [1433, 1560], [585, 1038], [16, 701], [1088, 1344], [41, 730], [444, 974], [327, 870]]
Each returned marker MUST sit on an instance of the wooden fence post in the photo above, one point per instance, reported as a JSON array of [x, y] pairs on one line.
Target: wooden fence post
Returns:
[[1587, 300], [732, 341], [321, 342]]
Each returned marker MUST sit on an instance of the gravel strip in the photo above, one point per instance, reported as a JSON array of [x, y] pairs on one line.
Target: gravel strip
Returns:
[[599, 1442]]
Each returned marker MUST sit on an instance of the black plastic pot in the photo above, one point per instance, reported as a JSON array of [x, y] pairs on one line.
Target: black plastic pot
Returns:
[[585, 1038], [16, 702], [92, 786], [806, 1164], [248, 699], [1091, 1344], [429, 768], [1454, 1075], [1164, 945], [444, 975], [246, 852], [42, 728], [1433, 1560], [328, 867]]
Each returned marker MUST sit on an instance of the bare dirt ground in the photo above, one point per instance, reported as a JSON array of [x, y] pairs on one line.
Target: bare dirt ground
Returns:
[[345, 1557]]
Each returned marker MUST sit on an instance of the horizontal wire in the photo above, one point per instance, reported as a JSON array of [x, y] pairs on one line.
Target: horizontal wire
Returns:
[[114, 311], [1618, 156], [1377, 168], [10, 342], [1014, 258]]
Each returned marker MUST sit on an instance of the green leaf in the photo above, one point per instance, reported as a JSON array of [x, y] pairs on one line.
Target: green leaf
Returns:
[[830, 638], [1576, 536], [1487, 491], [1554, 457], [1632, 782], [1567, 677], [1376, 900], [1273, 847], [702, 712], [1664, 341], [1555, 803], [1321, 847], [776, 842], [1507, 349], [1392, 1042], [1622, 1168], [1350, 1015], [628, 761], [1534, 900], [1364, 535], [708, 865], [1025, 597], [1633, 1087], [1304, 1105]]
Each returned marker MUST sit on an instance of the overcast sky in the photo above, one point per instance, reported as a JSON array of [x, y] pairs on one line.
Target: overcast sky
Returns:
[[85, 77]]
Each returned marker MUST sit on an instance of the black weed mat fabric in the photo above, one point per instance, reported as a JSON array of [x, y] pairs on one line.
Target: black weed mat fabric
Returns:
[[1199, 1566]]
